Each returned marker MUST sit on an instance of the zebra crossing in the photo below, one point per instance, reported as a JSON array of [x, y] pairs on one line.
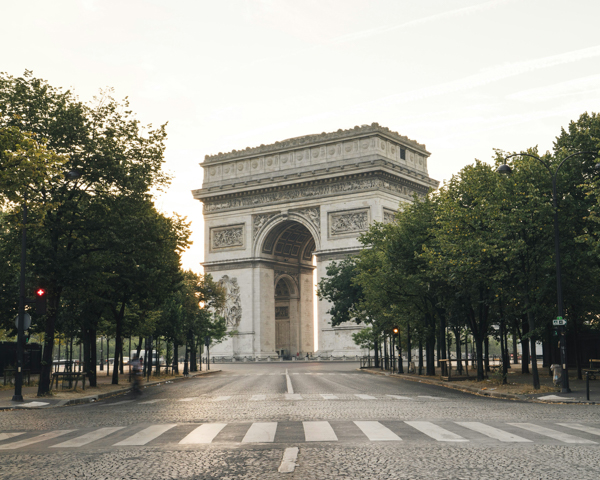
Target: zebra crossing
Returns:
[[306, 431], [284, 397]]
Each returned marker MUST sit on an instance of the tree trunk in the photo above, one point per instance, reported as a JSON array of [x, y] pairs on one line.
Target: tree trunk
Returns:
[[514, 347], [578, 362], [479, 347], [420, 356], [385, 353], [534, 367], [486, 347], [175, 357], [458, 351], [93, 357], [524, 346], [87, 367], [408, 343], [400, 363], [376, 353], [46, 370]]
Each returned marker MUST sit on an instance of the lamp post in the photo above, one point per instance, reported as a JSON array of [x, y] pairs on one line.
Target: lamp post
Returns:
[[18, 396], [505, 169]]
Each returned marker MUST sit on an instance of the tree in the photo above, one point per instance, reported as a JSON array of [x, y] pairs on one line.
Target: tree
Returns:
[[115, 157]]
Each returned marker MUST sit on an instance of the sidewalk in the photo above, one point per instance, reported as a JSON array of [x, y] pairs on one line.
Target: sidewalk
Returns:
[[519, 387], [104, 389]]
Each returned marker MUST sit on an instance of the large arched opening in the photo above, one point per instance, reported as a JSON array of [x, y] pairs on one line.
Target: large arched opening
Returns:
[[288, 247]]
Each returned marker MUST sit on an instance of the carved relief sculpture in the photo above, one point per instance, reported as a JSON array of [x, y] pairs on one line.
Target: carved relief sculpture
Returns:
[[282, 312], [388, 216], [351, 222], [232, 311], [226, 237], [313, 215], [258, 221]]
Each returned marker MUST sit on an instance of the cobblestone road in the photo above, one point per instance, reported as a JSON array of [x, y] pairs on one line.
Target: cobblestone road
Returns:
[[322, 421]]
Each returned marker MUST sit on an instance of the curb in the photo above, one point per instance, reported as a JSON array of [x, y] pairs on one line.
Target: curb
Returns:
[[478, 391], [101, 396]]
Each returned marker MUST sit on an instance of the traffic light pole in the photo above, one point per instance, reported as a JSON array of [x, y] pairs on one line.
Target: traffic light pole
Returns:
[[18, 396]]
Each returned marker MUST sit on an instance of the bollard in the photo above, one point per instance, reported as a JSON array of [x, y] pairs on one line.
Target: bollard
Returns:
[[587, 385]]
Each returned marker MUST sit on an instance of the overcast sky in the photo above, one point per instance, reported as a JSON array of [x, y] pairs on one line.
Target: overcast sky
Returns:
[[461, 76]]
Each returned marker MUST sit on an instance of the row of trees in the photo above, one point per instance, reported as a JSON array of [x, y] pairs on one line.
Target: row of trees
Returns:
[[108, 259], [477, 257]]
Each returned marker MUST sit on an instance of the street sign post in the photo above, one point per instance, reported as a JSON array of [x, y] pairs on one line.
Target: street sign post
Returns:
[[559, 322], [26, 321]]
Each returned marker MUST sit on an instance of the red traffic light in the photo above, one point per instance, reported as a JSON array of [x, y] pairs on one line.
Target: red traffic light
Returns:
[[40, 301]]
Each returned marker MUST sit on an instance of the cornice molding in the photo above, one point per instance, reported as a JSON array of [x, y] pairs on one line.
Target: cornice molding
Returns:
[[317, 139]]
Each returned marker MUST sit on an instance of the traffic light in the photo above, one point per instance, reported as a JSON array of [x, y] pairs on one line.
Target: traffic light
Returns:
[[40, 301]]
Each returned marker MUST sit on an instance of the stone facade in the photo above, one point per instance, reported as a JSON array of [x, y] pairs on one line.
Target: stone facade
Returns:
[[270, 210]]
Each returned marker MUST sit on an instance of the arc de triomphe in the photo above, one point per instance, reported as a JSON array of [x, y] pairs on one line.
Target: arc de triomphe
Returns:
[[275, 213]]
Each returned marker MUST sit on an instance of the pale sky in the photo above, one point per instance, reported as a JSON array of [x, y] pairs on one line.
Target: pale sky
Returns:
[[461, 76]]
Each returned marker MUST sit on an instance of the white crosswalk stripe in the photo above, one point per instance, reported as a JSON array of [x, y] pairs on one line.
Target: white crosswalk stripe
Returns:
[[583, 428], [256, 398], [319, 432], [362, 396], [261, 432], [203, 434], [186, 399], [222, 398], [6, 436], [146, 435], [399, 397], [39, 438], [147, 402], [314, 431], [328, 396], [548, 432], [88, 438], [376, 432], [438, 433], [492, 432]]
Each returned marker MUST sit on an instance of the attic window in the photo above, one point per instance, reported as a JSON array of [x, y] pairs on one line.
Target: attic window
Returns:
[[403, 154]]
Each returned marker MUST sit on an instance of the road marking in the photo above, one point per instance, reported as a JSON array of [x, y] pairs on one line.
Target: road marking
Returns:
[[295, 373], [288, 462], [290, 388], [6, 436], [319, 432], [222, 398], [186, 399], [152, 401], [430, 397], [548, 432], [328, 396], [261, 432], [116, 403], [492, 432], [32, 405], [376, 432], [203, 434], [39, 438], [319, 374], [438, 433], [399, 397], [583, 428], [146, 435], [293, 396], [256, 398], [364, 397], [88, 438], [332, 374]]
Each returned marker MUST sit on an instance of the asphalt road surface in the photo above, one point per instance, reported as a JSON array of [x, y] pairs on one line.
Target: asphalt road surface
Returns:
[[301, 421]]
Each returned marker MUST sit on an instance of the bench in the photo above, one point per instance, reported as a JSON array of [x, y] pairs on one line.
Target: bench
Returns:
[[70, 376], [593, 370]]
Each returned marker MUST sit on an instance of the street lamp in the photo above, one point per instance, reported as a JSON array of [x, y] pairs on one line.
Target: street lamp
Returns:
[[102, 353], [505, 169], [18, 396]]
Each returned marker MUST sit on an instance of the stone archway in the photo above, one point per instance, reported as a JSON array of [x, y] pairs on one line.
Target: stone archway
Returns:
[[272, 210]]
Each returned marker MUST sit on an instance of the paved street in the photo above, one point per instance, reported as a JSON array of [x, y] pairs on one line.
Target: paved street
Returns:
[[325, 420]]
